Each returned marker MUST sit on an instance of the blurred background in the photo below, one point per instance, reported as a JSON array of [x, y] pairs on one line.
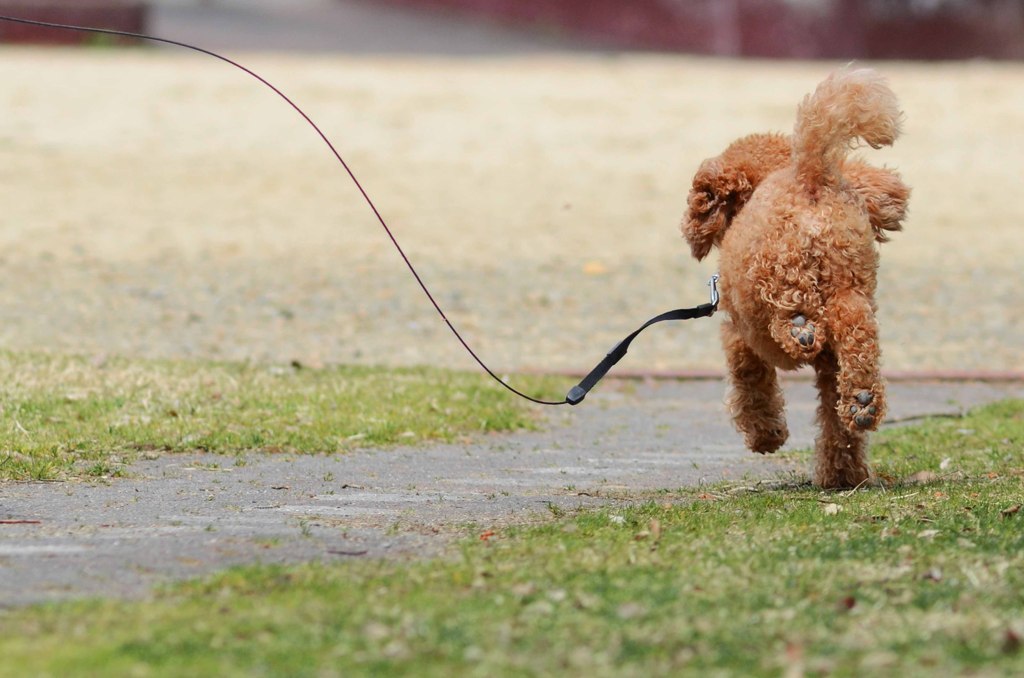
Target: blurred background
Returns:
[[807, 29], [533, 157]]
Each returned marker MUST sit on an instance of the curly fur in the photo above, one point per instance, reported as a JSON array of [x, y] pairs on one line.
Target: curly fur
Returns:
[[796, 223]]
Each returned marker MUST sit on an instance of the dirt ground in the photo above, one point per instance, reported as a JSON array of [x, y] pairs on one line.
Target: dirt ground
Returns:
[[162, 204]]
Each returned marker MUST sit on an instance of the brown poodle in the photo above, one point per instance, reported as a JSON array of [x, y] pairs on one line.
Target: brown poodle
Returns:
[[796, 223]]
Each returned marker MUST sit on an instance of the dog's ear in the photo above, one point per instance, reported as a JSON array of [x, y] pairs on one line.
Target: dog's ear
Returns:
[[724, 184], [884, 194], [719, 190]]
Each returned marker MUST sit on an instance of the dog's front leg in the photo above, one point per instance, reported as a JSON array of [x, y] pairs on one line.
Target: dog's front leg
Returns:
[[839, 453], [854, 336], [755, 401]]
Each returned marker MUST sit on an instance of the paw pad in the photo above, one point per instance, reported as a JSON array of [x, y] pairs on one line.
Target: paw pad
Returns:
[[864, 413], [802, 331]]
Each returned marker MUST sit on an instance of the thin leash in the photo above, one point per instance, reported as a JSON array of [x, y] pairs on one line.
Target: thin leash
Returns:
[[578, 392]]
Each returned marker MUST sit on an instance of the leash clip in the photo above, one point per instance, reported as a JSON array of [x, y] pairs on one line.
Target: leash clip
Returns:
[[713, 284], [579, 392]]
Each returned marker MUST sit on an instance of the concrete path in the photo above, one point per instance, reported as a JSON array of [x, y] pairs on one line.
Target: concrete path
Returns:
[[182, 516]]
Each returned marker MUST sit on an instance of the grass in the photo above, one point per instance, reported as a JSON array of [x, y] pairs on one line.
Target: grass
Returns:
[[922, 577], [66, 416]]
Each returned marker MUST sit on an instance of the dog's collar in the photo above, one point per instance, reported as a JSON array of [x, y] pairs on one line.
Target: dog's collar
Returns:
[[579, 392]]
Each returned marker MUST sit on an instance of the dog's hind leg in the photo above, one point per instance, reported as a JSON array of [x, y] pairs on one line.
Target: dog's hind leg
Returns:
[[840, 454], [854, 337], [755, 400]]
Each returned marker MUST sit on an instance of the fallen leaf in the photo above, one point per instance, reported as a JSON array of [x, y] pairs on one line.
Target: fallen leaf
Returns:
[[540, 608], [876, 661], [794, 660], [933, 574], [375, 631], [1011, 642], [922, 477], [1013, 510], [630, 610], [655, 529], [484, 536], [927, 534], [524, 589], [831, 509], [887, 479], [557, 595]]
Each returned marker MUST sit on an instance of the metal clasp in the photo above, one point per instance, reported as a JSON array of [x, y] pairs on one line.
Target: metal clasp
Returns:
[[713, 284]]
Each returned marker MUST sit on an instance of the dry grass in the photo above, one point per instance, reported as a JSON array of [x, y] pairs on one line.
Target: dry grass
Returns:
[[540, 195]]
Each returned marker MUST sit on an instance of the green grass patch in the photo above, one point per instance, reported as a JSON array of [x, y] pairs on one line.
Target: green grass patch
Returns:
[[918, 578], [66, 416]]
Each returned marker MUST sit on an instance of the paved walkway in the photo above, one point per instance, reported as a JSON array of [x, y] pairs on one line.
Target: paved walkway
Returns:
[[183, 516]]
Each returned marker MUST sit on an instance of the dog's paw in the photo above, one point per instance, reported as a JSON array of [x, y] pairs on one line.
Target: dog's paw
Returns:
[[802, 331], [799, 336], [862, 410], [857, 475], [767, 439]]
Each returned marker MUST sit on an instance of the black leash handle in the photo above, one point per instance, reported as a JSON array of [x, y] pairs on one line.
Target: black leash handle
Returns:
[[578, 392]]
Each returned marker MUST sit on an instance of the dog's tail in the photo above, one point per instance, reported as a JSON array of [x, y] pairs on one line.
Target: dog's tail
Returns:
[[848, 105]]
